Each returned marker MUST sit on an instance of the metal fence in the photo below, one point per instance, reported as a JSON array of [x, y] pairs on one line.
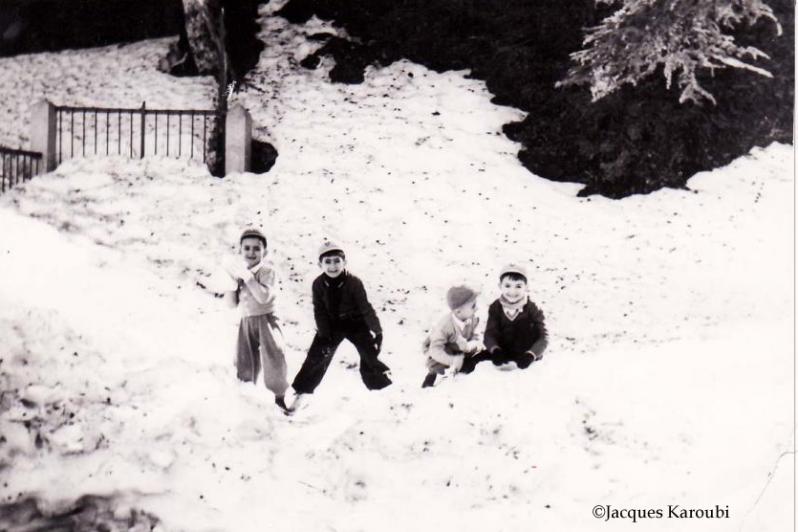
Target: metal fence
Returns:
[[138, 132], [17, 166]]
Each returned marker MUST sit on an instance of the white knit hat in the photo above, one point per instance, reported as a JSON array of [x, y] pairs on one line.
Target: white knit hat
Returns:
[[514, 268], [329, 246]]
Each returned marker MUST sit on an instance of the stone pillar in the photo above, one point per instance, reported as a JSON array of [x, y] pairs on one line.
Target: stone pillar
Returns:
[[42, 133], [237, 140]]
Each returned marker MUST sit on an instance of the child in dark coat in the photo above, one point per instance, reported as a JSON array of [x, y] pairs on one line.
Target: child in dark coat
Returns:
[[342, 311], [516, 330]]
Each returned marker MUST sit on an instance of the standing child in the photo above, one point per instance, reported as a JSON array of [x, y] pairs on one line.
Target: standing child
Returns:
[[454, 340], [259, 336], [516, 331], [342, 311]]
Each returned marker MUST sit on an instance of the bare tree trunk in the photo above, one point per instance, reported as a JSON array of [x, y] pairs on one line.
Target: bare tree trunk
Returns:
[[198, 51], [203, 22]]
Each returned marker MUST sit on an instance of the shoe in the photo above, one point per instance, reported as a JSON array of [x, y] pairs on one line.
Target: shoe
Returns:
[[525, 360], [300, 401], [280, 402], [429, 380]]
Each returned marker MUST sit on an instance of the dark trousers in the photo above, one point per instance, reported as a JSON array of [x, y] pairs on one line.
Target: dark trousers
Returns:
[[321, 352]]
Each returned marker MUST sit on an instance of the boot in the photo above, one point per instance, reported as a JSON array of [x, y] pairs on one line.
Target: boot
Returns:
[[429, 380], [279, 400]]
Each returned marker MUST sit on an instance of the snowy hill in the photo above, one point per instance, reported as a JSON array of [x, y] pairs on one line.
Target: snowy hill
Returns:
[[667, 379]]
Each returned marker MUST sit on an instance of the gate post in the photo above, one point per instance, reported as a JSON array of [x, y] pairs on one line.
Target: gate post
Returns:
[[238, 140], [42, 133]]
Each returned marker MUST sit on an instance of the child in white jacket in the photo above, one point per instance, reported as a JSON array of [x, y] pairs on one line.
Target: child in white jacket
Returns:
[[260, 340]]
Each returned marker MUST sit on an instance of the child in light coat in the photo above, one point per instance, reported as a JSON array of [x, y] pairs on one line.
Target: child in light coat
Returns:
[[455, 338], [260, 340]]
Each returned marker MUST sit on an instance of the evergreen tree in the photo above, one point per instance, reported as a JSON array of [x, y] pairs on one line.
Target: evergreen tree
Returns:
[[681, 36]]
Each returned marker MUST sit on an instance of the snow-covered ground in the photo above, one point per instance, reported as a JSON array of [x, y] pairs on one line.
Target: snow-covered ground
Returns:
[[668, 379]]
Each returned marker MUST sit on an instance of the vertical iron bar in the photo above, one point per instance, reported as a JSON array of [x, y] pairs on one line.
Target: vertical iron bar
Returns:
[[167, 134], [179, 133], [192, 134], [83, 137], [204, 138], [60, 118], [143, 108], [16, 169], [3, 173], [131, 134]]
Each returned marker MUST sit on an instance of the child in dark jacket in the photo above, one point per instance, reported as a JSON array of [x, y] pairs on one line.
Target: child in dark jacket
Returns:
[[342, 311], [516, 330]]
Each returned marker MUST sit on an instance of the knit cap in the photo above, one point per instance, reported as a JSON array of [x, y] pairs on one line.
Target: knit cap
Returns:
[[329, 246], [457, 296], [253, 233], [513, 268]]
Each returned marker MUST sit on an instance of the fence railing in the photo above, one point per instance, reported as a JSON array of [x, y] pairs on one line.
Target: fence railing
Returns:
[[137, 132], [17, 166]]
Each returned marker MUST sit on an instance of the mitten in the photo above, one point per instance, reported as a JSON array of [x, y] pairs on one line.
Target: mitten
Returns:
[[498, 355], [473, 346]]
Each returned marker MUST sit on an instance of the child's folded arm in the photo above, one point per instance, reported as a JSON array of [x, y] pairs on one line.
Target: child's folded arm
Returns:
[[492, 330], [438, 339], [323, 326], [543, 340], [260, 292]]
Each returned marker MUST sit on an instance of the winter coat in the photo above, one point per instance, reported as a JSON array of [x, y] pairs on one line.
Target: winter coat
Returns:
[[341, 299], [449, 338], [527, 332]]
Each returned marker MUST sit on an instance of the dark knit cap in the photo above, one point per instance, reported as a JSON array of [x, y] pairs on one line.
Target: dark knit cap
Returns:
[[457, 296]]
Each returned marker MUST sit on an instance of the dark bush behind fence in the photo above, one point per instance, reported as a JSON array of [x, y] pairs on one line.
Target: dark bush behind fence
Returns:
[[17, 166]]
